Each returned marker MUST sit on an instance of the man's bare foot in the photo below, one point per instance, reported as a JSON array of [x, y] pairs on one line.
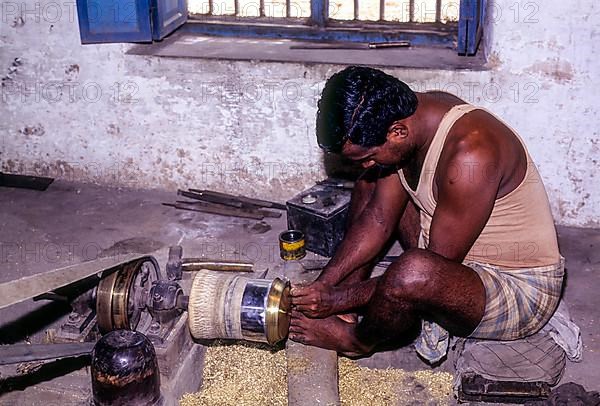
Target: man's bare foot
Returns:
[[332, 333]]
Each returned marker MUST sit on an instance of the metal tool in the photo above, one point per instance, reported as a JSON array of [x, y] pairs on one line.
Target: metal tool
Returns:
[[243, 209], [17, 353], [176, 264], [244, 200], [204, 207], [195, 264], [25, 182], [475, 388], [200, 195], [353, 45], [208, 201], [336, 183]]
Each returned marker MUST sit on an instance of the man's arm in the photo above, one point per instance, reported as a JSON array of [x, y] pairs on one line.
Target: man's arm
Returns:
[[369, 233], [465, 201], [363, 242]]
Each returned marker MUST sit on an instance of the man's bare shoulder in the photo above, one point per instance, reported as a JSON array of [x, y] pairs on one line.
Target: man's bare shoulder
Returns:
[[480, 142], [473, 139]]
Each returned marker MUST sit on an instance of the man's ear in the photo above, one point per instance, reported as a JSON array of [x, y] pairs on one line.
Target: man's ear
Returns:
[[397, 131]]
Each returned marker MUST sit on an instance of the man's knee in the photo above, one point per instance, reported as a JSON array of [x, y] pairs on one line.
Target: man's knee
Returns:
[[412, 277]]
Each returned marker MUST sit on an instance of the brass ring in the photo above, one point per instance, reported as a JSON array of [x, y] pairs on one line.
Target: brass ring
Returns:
[[115, 297], [278, 311]]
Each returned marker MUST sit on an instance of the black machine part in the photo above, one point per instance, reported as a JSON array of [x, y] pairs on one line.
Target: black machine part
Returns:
[[121, 297], [130, 295], [125, 370], [475, 388], [25, 182], [165, 302], [174, 263]]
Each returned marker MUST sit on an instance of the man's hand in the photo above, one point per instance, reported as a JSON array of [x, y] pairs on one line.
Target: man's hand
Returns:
[[315, 300]]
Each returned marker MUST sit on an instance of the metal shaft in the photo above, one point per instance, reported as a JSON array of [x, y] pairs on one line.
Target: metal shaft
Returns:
[[17, 353], [195, 264]]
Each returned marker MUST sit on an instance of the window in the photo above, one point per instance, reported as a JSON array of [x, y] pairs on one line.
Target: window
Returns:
[[102, 21], [439, 23]]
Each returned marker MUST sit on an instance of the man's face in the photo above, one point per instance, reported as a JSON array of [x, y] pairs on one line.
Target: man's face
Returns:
[[394, 153], [366, 157]]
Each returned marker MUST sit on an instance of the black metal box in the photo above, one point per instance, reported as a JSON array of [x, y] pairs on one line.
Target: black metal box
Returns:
[[321, 213]]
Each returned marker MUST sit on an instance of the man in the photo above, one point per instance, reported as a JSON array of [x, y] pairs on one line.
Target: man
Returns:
[[458, 189]]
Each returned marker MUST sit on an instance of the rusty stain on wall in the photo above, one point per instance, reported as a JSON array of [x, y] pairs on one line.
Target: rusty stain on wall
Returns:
[[554, 68]]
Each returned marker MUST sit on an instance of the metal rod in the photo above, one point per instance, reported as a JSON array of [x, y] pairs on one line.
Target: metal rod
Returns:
[[222, 211], [240, 199], [207, 197], [352, 45], [51, 296], [195, 264], [381, 10], [411, 10], [251, 210], [210, 7], [262, 8], [236, 8], [288, 10], [25, 182], [356, 9], [438, 11], [17, 353]]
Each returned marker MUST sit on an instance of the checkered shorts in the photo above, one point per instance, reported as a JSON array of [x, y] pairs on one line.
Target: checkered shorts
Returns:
[[519, 302]]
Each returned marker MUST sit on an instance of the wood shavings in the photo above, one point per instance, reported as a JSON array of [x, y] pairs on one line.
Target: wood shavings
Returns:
[[254, 375], [241, 374], [365, 386]]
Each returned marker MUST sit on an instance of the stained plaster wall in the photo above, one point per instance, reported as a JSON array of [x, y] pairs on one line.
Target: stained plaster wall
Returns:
[[93, 113]]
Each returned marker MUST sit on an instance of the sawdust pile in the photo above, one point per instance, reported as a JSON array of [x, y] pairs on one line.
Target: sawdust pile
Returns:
[[243, 374], [361, 386], [253, 375]]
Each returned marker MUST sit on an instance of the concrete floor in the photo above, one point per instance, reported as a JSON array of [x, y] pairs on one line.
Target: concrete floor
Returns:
[[70, 223]]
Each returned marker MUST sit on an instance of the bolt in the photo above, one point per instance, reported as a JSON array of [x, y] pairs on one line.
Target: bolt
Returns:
[[154, 326], [157, 297], [172, 288], [73, 317]]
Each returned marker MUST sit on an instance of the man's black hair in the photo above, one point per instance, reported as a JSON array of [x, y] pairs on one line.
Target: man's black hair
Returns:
[[359, 104]]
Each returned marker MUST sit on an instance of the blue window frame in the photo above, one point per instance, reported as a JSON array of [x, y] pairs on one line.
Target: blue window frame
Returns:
[[470, 26], [148, 20], [103, 21]]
